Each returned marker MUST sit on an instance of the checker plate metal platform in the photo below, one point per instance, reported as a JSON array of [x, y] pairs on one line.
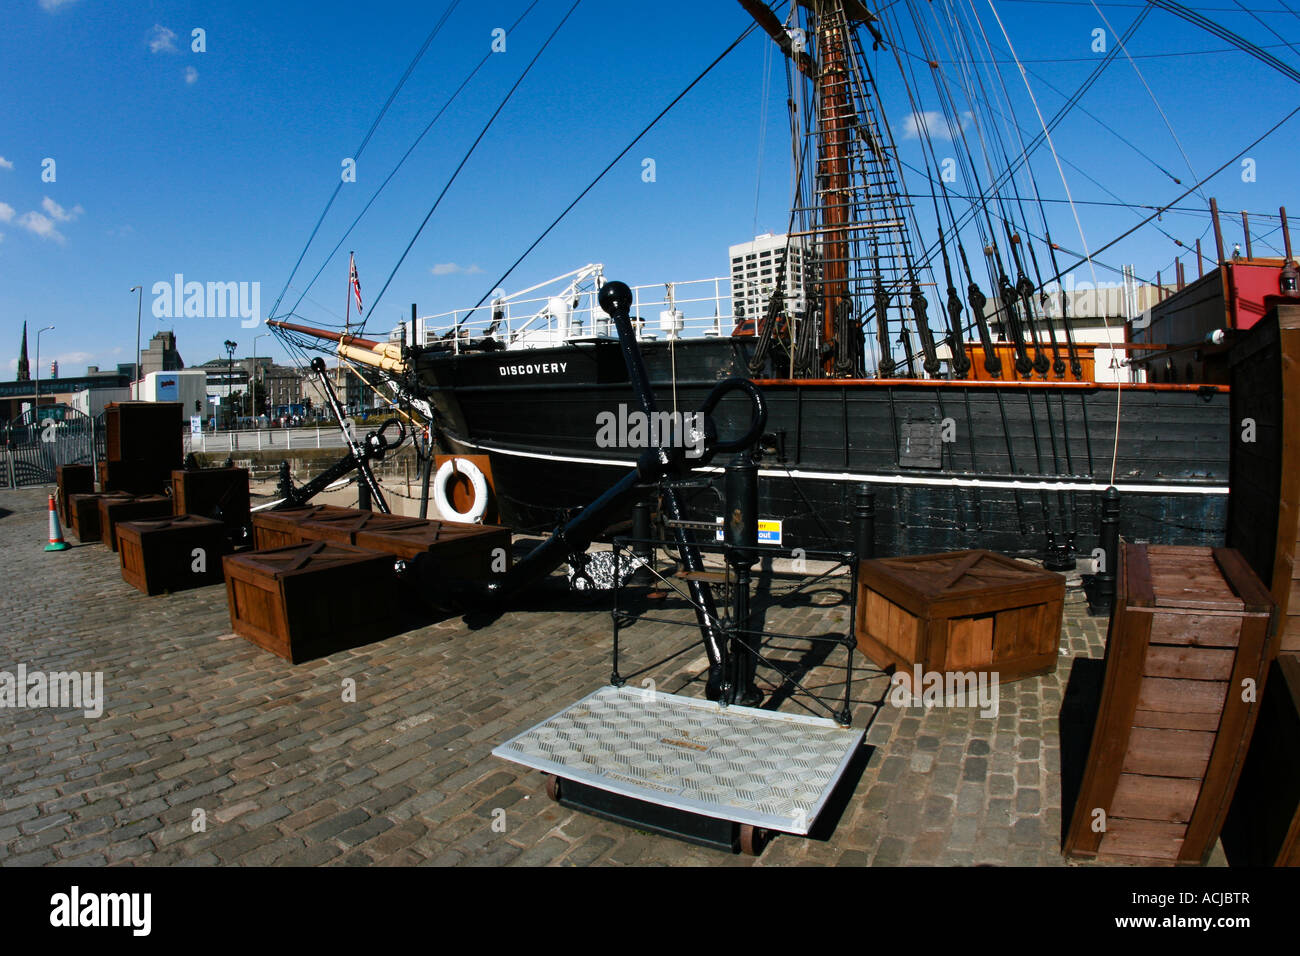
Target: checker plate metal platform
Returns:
[[742, 764]]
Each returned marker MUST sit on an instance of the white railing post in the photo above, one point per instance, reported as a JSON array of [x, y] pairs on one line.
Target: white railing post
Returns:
[[317, 436]]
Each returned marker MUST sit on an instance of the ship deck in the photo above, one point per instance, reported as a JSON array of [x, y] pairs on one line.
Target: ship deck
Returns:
[[287, 771]]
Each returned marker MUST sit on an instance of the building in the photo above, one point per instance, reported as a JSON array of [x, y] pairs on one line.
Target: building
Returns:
[[161, 355], [24, 366], [352, 393], [19, 395], [754, 266], [282, 386]]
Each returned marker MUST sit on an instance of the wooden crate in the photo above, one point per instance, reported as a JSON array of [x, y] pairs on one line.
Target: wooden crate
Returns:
[[83, 514], [220, 493], [968, 611], [72, 480], [171, 554], [114, 510], [144, 431], [310, 599], [342, 527], [1190, 631], [464, 551], [134, 477], [1263, 825], [279, 529]]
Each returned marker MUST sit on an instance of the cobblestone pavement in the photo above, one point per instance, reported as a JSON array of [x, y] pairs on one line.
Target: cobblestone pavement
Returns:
[[200, 725]]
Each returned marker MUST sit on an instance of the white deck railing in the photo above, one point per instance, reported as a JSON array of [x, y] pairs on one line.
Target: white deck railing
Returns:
[[704, 305]]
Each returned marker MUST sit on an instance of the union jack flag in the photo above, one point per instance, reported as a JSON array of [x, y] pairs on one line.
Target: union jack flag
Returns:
[[355, 282]]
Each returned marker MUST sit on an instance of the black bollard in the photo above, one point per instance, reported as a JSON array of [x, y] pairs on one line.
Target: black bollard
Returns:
[[1103, 591], [363, 495], [864, 522], [284, 486], [740, 533]]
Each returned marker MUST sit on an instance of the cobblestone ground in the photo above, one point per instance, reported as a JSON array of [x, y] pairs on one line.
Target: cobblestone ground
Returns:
[[200, 724]]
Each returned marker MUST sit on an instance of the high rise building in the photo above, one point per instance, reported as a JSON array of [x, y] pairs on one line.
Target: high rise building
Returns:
[[754, 266]]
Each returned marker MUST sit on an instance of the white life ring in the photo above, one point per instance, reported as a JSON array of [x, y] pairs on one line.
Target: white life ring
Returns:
[[443, 480]]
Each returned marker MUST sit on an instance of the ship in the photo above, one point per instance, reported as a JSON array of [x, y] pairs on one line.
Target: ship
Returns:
[[937, 376]]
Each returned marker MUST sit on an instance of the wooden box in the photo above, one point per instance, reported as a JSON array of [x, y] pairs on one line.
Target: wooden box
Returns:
[[144, 431], [279, 529], [342, 527], [83, 514], [72, 480], [114, 510], [1185, 663], [220, 493], [171, 554], [1263, 825], [464, 551], [134, 477], [968, 611], [310, 599]]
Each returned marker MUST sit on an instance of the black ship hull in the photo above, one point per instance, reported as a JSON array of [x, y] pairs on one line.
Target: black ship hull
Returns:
[[1016, 467]]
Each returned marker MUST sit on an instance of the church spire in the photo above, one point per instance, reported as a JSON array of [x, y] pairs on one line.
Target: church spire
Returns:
[[24, 367]]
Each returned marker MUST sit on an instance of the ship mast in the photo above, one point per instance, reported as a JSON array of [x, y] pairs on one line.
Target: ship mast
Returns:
[[849, 203]]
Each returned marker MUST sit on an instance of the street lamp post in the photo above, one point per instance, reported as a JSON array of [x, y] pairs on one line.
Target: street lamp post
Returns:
[[37, 403], [230, 380], [139, 307], [253, 386]]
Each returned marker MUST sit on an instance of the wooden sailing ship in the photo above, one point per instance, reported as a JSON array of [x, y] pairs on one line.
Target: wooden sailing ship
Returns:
[[974, 419]]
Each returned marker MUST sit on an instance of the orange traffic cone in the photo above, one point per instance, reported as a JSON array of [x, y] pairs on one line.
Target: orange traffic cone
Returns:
[[56, 532]]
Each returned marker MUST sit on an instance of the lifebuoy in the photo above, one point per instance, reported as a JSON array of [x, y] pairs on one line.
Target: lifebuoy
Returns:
[[443, 481]]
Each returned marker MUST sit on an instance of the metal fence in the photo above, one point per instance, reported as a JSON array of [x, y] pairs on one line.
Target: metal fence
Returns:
[[265, 439], [43, 438]]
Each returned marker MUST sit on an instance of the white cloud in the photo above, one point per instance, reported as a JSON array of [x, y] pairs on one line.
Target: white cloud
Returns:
[[73, 358], [5, 163], [49, 6], [42, 226], [162, 40], [191, 75], [6, 212], [451, 268], [58, 213], [934, 123]]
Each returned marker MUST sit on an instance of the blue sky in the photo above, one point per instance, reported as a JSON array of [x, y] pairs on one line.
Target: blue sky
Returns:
[[216, 164]]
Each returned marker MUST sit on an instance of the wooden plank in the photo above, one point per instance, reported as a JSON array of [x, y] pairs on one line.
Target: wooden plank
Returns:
[[1196, 629], [1126, 647], [1168, 753], [1166, 721], [1240, 711], [1168, 696], [1146, 839], [1167, 799], [1244, 582], [970, 644], [1191, 663], [1137, 586]]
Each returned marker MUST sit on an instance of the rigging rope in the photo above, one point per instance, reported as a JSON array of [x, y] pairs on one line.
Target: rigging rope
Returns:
[[364, 142], [405, 156], [468, 153], [592, 185]]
